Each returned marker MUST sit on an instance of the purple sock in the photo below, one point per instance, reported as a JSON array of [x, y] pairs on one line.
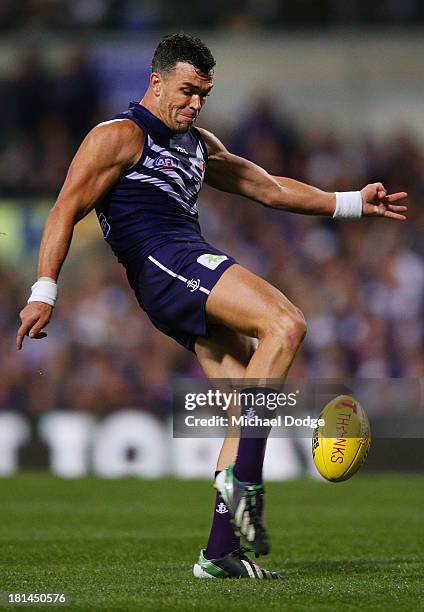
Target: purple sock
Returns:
[[250, 460], [221, 538], [251, 450]]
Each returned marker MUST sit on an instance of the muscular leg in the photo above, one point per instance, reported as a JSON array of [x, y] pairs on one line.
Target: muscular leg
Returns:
[[252, 307], [247, 306], [226, 355]]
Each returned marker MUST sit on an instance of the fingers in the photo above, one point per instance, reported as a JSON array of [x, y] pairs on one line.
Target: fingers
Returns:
[[23, 331], [26, 325], [35, 331], [27, 329], [382, 195], [381, 191], [20, 336], [397, 208], [388, 214], [381, 210], [393, 211], [379, 204], [34, 317], [374, 193], [395, 197]]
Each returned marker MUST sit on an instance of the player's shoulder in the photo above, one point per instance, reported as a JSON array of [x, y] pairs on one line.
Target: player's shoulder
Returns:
[[117, 139], [118, 130]]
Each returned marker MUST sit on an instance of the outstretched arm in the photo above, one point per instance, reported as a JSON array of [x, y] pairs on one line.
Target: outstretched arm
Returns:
[[107, 151], [234, 174], [310, 200]]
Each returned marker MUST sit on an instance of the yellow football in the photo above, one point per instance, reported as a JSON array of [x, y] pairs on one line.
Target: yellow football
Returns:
[[340, 447]]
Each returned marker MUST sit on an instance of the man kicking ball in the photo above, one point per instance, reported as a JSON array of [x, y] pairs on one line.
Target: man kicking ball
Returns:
[[142, 172]]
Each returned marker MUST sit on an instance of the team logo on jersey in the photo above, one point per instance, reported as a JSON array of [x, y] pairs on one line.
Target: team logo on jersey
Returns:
[[221, 508], [193, 284], [165, 162], [211, 261]]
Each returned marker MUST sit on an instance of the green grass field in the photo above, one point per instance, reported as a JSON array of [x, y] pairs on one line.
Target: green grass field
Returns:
[[130, 545]]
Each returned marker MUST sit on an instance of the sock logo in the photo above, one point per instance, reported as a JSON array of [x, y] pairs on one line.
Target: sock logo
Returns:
[[221, 508], [250, 412]]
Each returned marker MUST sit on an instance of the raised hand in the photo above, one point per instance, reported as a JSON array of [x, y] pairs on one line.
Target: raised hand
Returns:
[[377, 203]]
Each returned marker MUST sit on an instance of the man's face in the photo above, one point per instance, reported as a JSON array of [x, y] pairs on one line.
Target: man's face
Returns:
[[181, 95]]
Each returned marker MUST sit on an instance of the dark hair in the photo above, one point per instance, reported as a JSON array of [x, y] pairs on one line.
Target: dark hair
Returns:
[[182, 48]]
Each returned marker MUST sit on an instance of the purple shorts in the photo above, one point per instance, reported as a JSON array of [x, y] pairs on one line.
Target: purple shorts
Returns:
[[173, 284]]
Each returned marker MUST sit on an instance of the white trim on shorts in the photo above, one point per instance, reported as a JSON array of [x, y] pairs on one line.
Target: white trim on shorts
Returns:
[[174, 274]]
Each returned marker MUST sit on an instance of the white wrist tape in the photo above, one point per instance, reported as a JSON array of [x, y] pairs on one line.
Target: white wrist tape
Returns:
[[44, 290], [348, 205]]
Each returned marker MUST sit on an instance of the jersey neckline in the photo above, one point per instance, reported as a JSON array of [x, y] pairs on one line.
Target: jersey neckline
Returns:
[[154, 124]]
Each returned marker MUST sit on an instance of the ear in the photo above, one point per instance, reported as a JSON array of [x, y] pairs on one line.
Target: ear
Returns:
[[156, 83]]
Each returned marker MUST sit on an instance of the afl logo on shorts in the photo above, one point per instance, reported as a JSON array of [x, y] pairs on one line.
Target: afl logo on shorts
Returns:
[[167, 163]]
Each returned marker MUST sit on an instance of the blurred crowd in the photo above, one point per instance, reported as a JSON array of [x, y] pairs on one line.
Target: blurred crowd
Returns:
[[45, 114], [360, 284], [136, 16]]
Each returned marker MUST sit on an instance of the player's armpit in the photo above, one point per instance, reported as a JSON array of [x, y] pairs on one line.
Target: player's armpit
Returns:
[[228, 172]]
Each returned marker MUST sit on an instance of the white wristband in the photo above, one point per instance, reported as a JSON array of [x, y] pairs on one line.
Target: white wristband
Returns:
[[348, 205], [44, 290]]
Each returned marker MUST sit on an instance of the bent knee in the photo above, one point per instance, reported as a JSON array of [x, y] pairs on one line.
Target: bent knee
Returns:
[[287, 326], [302, 322]]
